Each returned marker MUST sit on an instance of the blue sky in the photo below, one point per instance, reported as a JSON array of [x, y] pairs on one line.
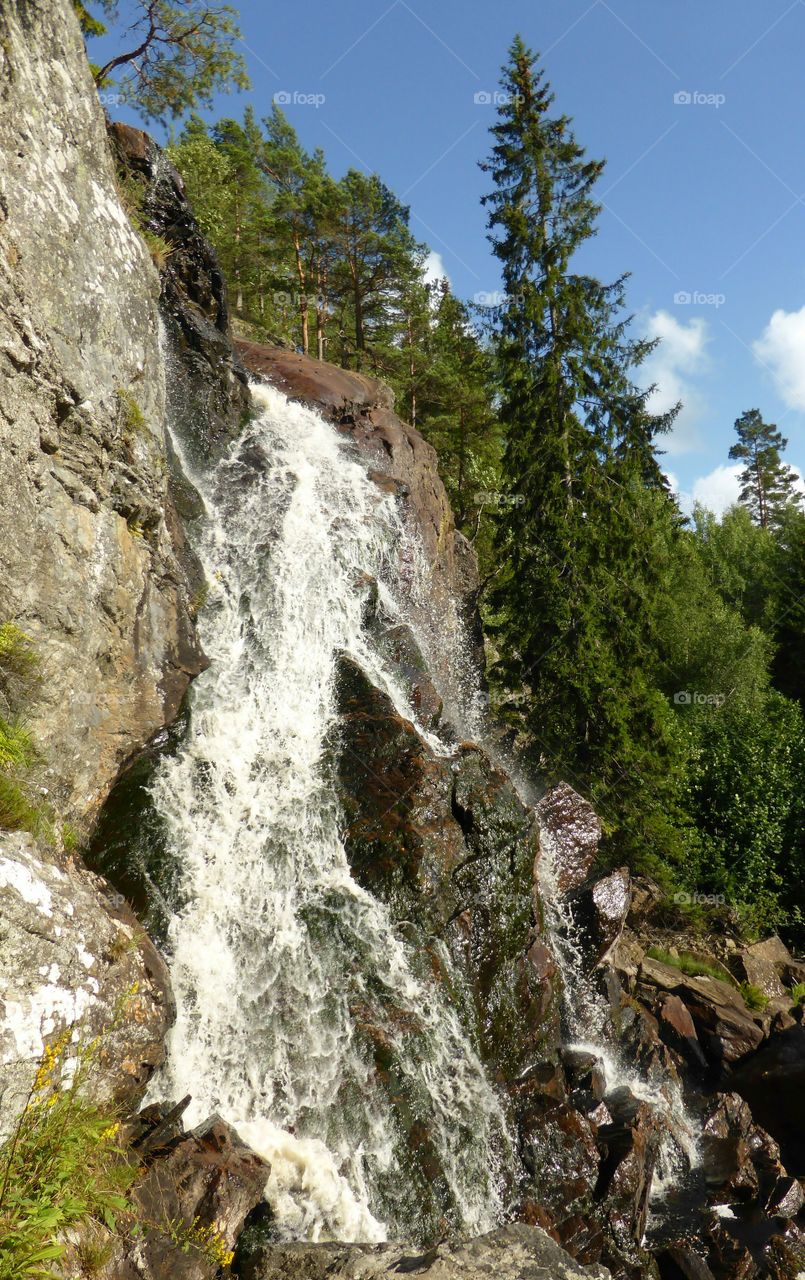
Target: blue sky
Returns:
[[699, 110]]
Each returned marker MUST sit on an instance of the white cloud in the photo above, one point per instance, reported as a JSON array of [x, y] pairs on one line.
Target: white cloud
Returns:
[[718, 490], [781, 347], [679, 358], [434, 268]]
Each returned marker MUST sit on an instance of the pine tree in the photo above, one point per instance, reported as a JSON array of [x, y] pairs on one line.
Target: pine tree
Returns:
[[586, 490], [767, 483], [378, 260]]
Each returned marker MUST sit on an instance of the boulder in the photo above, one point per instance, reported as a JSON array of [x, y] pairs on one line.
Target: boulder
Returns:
[[192, 1201], [678, 1030], [514, 1252], [73, 955], [725, 1027], [570, 832], [448, 845], [600, 910], [761, 966]]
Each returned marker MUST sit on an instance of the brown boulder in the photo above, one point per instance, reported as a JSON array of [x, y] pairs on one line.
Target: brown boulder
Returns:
[[725, 1026], [678, 1030], [570, 832]]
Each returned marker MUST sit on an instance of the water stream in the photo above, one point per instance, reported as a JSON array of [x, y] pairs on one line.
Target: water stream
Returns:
[[275, 946]]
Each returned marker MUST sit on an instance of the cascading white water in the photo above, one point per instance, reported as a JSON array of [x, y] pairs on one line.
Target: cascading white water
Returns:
[[587, 1017], [275, 946]]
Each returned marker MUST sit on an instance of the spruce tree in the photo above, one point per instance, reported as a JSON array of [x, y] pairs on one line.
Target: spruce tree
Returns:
[[767, 483], [574, 605]]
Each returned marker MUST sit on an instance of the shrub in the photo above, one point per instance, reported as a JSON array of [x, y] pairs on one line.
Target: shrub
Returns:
[[61, 1167], [754, 997]]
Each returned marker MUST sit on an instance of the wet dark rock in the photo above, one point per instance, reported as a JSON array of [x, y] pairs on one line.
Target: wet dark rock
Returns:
[[571, 827], [600, 910], [514, 1252], [786, 1199], [678, 1030], [629, 1145], [679, 1262], [772, 1081]]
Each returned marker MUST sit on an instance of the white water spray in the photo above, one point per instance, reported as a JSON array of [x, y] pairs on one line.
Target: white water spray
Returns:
[[276, 953], [587, 1016]]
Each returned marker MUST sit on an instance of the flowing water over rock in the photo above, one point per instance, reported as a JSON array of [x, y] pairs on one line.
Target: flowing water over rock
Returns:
[[274, 946]]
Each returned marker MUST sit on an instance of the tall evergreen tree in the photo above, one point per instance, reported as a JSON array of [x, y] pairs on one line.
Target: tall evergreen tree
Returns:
[[767, 483], [573, 608]]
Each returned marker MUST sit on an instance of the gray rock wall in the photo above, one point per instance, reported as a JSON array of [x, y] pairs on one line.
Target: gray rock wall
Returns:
[[90, 549]]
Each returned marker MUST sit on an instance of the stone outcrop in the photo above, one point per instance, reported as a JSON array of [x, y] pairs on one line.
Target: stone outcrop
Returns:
[[516, 1252], [73, 954], [192, 1199], [92, 562], [207, 391]]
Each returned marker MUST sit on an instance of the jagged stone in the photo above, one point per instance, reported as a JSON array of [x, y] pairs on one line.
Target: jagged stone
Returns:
[[572, 829], [207, 389], [600, 910], [515, 1252], [725, 1027]]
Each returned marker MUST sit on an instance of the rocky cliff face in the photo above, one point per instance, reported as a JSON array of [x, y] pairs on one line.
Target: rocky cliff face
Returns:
[[90, 551]]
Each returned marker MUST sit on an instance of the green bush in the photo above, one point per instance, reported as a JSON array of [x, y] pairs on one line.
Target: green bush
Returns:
[[61, 1167]]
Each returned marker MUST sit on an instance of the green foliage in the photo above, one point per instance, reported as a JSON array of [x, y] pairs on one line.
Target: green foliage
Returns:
[[181, 53], [767, 483], [61, 1167], [130, 417], [66, 1175], [693, 966], [19, 673], [572, 610], [798, 993], [754, 997]]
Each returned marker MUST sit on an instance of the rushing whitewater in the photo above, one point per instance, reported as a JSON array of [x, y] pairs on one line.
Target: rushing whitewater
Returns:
[[274, 946]]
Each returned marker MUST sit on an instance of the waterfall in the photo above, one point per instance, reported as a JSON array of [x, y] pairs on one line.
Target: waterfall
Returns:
[[274, 946]]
